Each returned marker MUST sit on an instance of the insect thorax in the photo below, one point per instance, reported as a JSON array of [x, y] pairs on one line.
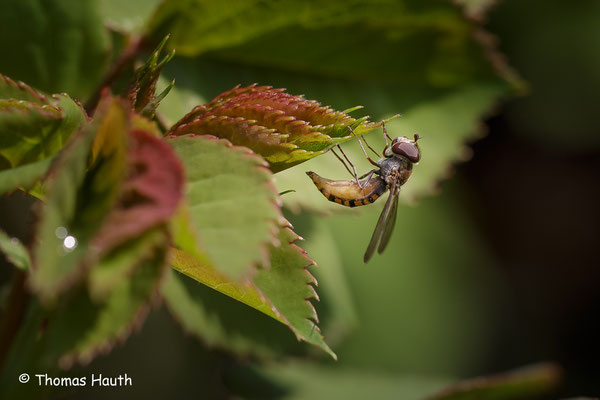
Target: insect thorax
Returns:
[[395, 168]]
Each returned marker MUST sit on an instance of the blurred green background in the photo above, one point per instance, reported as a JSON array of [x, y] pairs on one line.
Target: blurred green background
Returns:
[[496, 270]]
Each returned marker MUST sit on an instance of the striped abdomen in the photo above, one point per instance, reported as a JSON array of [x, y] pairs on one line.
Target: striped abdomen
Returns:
[[348, 193]]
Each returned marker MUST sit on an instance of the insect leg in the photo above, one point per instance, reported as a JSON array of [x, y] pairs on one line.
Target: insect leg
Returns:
[[385, 137], [368, 175], [342, 161], [364, 139], [385, 134], [362, 147], [352, 165]]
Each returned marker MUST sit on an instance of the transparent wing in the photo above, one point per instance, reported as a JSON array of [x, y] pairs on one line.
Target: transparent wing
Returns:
[[389, 227], [381, 224]]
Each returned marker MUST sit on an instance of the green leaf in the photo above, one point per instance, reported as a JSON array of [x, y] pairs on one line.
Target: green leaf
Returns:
[[33, 127], [286, 130], [24, 176], [289, 286], [233, 205], [282, 292], [432, 40], [337, 308], [172, 16], [203, 272], [527, 383], [74, 116], [224, 321], [55, 46], [83, 186], [127, 16], [309, 381], [305, 381], [14, 251], [81, 328], [28, 132], [121, 264]]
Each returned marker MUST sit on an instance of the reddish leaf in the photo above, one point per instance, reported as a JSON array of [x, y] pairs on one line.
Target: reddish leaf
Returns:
[[150, 193], [285, 129], [10, 89]]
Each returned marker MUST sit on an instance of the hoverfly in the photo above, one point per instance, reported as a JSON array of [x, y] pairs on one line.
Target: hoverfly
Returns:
[[391, 172]]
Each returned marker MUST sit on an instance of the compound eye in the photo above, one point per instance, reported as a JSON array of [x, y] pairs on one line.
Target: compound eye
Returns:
[[409, 150]]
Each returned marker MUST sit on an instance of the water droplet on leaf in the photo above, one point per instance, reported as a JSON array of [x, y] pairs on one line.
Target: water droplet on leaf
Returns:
[[70, 243]]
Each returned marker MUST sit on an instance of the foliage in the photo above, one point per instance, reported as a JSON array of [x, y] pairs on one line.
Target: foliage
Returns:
[[139, 181], [346, 383], [286, 130]]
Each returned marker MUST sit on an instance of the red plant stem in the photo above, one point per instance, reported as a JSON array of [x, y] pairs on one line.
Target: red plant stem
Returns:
[[16, 305], [126, 57]]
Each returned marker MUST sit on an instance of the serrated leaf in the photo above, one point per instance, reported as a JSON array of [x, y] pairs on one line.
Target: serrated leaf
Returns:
[[14, 251], [55, 46], [80, 194], [283, 292], [74, 116], [525, 383], [32, 132], [289, 286], [223, 321], [285, 129], [337, 307], [204, 273], [233, 205], [28, 132], [10, 89]]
